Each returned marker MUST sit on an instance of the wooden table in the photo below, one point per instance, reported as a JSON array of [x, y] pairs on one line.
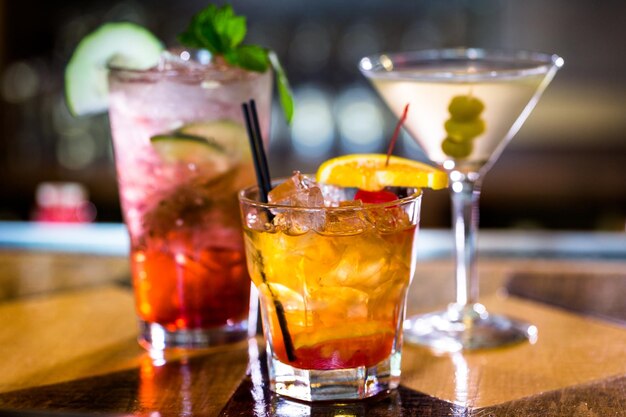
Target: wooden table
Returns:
[[67, 344]]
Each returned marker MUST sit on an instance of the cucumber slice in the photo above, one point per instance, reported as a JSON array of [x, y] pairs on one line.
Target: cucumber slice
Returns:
[[232, 137], [127, 44], [178, 147]]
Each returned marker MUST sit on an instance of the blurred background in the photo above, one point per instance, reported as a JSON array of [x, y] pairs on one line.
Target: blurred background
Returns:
[[566, 169]]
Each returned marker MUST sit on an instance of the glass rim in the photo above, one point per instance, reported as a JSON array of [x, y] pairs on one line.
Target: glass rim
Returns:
[[200, 70], [415, 194], [382, 65]]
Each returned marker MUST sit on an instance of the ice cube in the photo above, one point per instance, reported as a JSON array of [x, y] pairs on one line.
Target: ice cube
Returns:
[[343, 222], [335, 305], [361, 266], [292, 302], [314, 198], [290, 299], [388, 219], [314, 218], [257, 219], [285, 193], [334, 196], [291, 223], [298, 191], [386, 297]]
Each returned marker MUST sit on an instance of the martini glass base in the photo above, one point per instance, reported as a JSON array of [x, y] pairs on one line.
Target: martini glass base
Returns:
[[466, 328]]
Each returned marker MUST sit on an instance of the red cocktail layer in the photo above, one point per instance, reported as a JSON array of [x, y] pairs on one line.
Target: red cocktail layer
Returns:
[[190, 289], [339, 353]]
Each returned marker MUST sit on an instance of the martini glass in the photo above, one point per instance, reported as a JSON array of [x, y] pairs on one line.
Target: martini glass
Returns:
[[465, 105]]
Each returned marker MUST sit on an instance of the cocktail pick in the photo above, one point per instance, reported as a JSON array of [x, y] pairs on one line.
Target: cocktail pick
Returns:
[[265, 185], [396, 133]]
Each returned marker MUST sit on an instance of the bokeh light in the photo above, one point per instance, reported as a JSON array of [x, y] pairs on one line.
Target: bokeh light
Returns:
[[313, 125], [360, 120]]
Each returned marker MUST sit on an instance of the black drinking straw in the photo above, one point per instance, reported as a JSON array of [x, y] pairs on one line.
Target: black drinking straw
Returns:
[[258, 152], [260, 148], [265, 185]]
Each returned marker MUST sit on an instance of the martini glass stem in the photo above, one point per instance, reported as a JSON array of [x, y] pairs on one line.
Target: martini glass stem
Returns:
[[465, 193], [465, 324]]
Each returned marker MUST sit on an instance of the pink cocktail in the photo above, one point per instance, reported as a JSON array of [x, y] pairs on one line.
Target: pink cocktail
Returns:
[[181, 154]]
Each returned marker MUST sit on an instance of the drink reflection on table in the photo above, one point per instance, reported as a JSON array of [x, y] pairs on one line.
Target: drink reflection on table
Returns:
[[171, 383]]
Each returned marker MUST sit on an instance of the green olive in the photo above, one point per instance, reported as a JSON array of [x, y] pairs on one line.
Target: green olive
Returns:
[[456, 149], [465, 108], [464, 131]]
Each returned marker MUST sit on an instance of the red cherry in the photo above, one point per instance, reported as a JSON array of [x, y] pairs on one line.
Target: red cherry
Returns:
[[375, 197]]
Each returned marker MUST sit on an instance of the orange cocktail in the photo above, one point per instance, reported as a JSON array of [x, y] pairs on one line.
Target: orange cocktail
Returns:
[[332, 280], [342, 292]]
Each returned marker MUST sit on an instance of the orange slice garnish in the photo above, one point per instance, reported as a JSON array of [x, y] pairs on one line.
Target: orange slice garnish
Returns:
[[370, 172]]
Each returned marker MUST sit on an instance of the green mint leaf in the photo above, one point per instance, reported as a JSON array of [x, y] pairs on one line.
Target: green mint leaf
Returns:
[[219, 30], [222, 32], [252, 58], [236, 30], [284, 89], [219, 22], [230, 28], [209, 39], [204, 30], [189, 39]]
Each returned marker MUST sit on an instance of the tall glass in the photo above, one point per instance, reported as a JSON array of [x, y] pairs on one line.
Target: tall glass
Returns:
[[332, 283], [465, 106], [181, 153]]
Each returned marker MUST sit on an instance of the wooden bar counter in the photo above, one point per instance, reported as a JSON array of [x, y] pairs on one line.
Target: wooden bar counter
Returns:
[[67, 339]]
